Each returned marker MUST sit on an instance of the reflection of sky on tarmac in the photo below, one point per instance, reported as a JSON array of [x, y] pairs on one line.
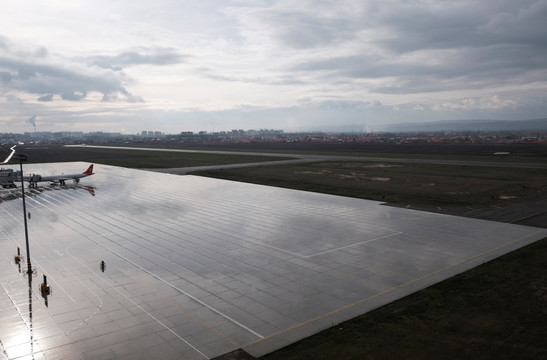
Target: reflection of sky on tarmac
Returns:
[[196, 267], [132, 194], [150, 220]]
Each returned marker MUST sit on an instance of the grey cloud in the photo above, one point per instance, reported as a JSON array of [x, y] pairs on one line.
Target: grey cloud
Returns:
[[142, 56], [279, 79], [304, 31], [39, 52], [417, 25], [127, 96], [495, 62], [307, 28], [5, 76], [454, 45], [353, 66], [523, 25], [48, 80], [74, 95], [3, 42], [13, 99], [406, 26], [46, 98]]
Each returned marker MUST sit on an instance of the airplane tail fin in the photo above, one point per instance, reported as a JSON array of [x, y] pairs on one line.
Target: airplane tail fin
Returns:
[[89, 170]]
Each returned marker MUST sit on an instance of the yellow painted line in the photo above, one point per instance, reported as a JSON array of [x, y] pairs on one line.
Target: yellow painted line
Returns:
[[296, 326], [528, 216]]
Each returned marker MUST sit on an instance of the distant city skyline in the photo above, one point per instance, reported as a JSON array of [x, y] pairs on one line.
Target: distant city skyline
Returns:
[[293, 65], [482, 128]]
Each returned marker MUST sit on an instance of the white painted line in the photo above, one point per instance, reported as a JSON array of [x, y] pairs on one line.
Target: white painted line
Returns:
[[355, 244], [144, 310], [216, 311], [319, 253], [10, 155]]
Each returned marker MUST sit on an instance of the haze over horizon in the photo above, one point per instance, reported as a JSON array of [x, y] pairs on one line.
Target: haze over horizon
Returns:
[[218, 65]]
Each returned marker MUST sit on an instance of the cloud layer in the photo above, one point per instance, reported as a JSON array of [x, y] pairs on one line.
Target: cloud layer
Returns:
[[271, 63], [48, 78]]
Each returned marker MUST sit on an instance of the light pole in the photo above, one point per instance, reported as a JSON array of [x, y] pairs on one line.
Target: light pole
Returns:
[[23, 157]]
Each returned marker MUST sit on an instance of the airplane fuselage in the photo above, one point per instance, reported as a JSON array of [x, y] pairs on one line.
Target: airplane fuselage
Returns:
[[9, 177], [59, 179]]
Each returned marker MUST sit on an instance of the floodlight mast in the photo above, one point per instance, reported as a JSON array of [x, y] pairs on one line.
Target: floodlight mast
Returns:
[[23, 157]]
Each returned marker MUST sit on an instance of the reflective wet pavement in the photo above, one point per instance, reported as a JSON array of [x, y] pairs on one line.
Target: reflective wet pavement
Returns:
[[198, 267]]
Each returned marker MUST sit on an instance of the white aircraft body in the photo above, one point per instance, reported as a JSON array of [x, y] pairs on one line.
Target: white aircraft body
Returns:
[[59, 179]]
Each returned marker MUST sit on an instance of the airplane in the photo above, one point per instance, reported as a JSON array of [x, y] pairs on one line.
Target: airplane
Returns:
[[59, 179]]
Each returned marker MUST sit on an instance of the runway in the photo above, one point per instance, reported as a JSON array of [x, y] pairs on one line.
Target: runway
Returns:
[[198, 267], [306, 158]]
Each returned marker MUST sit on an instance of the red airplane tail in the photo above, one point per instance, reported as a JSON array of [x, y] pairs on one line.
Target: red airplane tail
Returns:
[[89, 170]]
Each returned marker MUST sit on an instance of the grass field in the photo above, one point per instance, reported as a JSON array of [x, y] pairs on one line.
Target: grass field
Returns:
[[137, 159], [415, 185], [516, 153]]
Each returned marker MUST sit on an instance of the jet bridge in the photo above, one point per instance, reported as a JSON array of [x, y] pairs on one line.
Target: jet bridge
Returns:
[[8, 178]]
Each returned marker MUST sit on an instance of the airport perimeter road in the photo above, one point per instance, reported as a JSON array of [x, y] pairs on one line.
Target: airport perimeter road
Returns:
[[303, 158], [317, 158], [186, 170], [219, 152]]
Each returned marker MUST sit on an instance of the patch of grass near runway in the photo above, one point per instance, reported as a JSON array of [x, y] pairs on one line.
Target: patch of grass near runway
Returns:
[[415, 185], [138, 159], [495, 311], [514, 153], [157, 160]]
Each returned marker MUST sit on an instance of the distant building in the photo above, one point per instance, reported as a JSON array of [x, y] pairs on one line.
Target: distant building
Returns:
[[148, 133]]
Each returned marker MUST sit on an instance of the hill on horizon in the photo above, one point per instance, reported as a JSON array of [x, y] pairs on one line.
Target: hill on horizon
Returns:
[[436, 126], [470, 125]]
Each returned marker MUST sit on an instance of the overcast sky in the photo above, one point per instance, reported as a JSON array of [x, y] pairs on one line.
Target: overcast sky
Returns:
[[172, 66]]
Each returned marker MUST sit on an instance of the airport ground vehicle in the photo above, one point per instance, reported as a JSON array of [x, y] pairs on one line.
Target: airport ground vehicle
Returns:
[[8, 177]]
